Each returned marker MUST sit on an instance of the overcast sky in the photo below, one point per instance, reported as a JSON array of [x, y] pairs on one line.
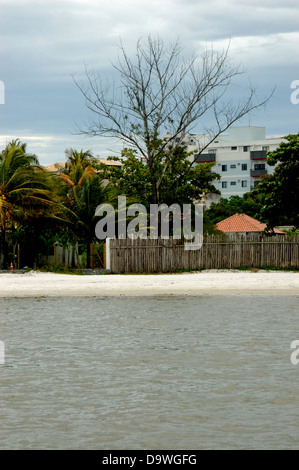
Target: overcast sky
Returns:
[[43, 43]]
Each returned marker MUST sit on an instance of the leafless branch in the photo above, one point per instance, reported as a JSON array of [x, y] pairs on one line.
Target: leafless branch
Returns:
[[160, 91]]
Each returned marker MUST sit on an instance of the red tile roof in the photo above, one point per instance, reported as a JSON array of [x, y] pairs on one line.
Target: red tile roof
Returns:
[[242, 223]]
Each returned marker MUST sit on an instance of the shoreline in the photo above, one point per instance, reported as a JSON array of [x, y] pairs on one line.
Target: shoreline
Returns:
[[206, 282]]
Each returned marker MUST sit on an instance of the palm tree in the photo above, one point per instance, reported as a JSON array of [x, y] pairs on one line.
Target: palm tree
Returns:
[[84, 191], [76, 174], [77, 158], [27, 191]]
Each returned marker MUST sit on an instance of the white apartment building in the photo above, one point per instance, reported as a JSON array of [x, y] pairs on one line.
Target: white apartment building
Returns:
[[239, 157]]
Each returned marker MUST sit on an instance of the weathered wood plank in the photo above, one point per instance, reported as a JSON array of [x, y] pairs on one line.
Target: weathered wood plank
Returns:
[[159, 255]]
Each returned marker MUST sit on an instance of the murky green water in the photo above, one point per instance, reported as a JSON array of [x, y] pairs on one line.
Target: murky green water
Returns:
[[149, 373]]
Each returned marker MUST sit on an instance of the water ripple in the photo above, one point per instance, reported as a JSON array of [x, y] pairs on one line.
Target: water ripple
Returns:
[[149, 373]]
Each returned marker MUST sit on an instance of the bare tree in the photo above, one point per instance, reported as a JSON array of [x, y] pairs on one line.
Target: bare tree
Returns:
[[161, 91]]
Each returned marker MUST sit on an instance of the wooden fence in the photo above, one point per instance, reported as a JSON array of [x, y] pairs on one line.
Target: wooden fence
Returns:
[[217, 252]]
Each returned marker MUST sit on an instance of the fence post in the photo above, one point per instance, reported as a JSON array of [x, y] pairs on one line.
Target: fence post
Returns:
[[19, 256], [107, 258]]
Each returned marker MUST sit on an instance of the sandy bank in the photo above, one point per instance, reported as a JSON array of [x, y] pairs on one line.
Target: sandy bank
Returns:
[[200, 283]]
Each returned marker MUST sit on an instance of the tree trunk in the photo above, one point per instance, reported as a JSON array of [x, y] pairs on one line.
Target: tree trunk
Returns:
[[88, 256], [3, 251]]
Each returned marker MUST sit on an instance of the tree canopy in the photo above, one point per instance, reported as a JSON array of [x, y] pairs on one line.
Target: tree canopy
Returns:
[[182, 184], [280, 190], [40, 208], [27, 191]]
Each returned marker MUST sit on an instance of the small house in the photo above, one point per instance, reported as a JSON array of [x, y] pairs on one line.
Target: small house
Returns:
[[243, 224]]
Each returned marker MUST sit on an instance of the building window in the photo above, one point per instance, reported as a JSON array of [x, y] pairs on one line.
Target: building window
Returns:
[[245, 148], [266, 148], [224, 168], [244, 166], [234, 148], [260, 166], [233, 183], [244, 184], [213, 151], [224, 184], [233, 166]]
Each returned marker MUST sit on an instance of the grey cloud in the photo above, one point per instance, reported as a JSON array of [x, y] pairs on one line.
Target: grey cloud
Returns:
[[43, 43]]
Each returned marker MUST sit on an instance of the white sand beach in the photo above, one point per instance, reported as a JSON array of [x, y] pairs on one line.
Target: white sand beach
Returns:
[[197, 283]]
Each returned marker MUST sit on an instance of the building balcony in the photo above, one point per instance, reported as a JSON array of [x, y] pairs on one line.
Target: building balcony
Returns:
[[258, 154], [256, 173], [205, 157]]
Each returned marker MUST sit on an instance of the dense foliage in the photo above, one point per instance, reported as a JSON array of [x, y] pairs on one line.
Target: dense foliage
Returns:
[[280, 190], [39, 208], [182, 183]]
